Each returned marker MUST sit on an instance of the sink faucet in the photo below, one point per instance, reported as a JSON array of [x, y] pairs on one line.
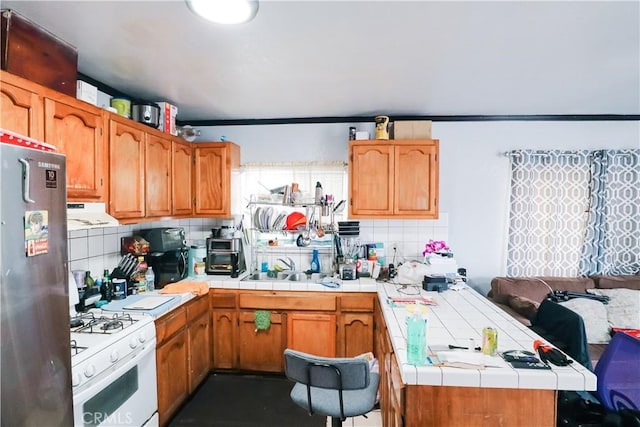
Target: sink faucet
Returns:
[[291, 265]]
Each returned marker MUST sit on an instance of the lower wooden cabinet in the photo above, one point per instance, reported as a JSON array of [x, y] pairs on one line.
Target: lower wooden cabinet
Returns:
[[199, 341], [183, 354], [313, 333], [263, 350], [172, 363], [332, 324]]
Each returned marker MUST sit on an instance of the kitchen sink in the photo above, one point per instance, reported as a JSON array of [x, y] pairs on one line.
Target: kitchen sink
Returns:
[[284, 276]]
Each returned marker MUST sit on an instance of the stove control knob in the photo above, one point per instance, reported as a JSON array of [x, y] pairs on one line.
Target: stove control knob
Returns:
[[76, 379], [115, 356], [133, 342], [89, 371], [142, 338]]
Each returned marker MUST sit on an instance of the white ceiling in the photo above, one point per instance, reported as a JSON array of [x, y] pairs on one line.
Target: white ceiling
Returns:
[[360, 58]]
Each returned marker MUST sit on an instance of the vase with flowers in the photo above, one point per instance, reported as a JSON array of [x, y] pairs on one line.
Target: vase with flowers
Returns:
[[432, 247]]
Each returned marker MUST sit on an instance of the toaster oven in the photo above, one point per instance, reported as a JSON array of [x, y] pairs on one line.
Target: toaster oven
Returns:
[[225, 256]]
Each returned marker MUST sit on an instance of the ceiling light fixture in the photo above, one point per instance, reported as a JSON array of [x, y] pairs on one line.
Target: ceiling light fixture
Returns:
[[225, 11]]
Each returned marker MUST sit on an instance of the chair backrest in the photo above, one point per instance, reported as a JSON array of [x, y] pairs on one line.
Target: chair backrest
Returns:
[[619, 374], [326, 372], [564, 328]]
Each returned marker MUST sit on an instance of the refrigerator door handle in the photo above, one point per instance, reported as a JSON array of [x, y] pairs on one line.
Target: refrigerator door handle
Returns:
[[26, 170]]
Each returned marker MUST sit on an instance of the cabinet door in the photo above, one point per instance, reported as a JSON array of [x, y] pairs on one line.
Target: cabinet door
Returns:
[[20, 110], [224, 338], [261, 350], [199, 350], [211, 180], [358, 333], [171, 361], [416, 184], [76, 128], [127, 162], [158, 176], [371, 177], [213, 164], [182, 160], [313, 333]]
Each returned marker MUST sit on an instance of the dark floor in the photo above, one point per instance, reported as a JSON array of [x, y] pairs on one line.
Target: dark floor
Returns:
[[234, 400]]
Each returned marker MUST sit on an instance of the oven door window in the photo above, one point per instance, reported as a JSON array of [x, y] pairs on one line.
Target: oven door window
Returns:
[[220, 261], [110, 399]]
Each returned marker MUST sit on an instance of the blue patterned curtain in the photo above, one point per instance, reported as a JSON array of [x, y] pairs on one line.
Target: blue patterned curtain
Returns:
[[549, 201], [612, 239]]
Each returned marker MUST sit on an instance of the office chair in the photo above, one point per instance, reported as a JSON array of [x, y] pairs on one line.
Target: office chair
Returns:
[[618, 374], [334, 387]]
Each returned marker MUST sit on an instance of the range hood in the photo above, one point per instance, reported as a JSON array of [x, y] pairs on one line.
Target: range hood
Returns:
[[82, 216]]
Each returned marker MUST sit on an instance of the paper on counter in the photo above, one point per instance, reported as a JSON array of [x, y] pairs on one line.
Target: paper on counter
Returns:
[[470, 360]]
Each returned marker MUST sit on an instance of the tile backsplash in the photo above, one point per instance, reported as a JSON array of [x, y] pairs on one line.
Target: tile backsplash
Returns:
[[96, 249]]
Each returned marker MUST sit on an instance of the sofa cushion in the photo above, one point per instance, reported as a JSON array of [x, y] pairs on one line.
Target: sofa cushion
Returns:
[[535, 288], [611, 282], [594, 315], [623, 309], [523, 306]]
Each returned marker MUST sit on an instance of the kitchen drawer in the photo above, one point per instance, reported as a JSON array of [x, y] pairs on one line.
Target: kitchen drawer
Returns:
[[223, 300], [196, 308], [169, 324], [288, 302], [362, 302], [397, 386]]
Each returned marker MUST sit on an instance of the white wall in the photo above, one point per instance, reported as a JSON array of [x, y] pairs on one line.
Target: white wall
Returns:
[[474, 173]]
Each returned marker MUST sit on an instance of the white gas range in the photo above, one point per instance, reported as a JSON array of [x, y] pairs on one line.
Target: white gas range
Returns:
[[113, 369]]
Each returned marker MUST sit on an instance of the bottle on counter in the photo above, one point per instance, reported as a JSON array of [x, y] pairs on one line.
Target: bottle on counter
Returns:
[[105, 289], [141, 275], [150, 278], [417, 335], [88, 280], [315, 262]]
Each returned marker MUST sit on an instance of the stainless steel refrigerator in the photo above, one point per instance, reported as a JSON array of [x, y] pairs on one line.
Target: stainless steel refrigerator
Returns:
[[36, 356]]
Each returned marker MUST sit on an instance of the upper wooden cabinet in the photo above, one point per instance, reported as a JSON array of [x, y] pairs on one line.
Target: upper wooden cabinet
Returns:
[[158, 177], [77, 130], [181, 173], [393, 179], [74, 127], [127, 166], [212, 177], [20, 107]]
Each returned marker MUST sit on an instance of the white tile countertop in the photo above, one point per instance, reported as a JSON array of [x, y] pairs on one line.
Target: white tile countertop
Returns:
[[460, 315], [335, 285]]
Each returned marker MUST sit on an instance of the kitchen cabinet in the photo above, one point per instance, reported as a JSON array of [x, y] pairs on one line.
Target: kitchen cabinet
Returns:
[[314, 322], [390, 395], [356, 324], [158, 177], [393, 179], [127, 165], [77, 129], [171, 362], [74, 127], [181, 184], [215, 171], [224, 322], [21, 107], [199, 341], [262, 350], [313, 333]]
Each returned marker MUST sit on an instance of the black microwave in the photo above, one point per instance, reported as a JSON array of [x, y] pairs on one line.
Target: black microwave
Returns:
[[169, 266]]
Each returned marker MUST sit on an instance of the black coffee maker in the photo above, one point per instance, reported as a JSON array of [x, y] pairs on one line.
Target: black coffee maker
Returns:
[[168, 254]]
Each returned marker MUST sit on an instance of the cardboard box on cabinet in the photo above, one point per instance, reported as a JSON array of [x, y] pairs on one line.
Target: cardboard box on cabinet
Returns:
[[168, 113], [87, 92], [412, 129]]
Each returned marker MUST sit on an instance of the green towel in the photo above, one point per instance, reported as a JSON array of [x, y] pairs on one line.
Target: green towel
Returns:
[[262, 319]]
